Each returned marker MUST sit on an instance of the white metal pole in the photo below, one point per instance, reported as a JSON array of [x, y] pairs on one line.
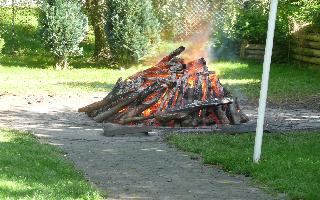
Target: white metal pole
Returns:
[[265, 80]]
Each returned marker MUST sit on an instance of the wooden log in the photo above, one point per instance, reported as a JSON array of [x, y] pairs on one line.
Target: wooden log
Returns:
[[233, 115], [254, 52], [306, 52], [312, 37], [209, 90], [99, 104], [134, 119], [165, 117], [176, 52], [221, 114], [93, 106], [307, 59], [103, 116], [109, 104], [183, 92], [186, 121], [174, 95], [136, 110], [255, 46], [306, 43], [139, 96], [180, 92], [255, 57], [173, 54], [148, 91], [243, 117], [197, 94], [164, 99], [190, 97]]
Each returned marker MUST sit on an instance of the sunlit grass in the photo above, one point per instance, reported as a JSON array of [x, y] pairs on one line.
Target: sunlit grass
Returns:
[[290, 162], [22, 80], [288, 83], [30, 170]]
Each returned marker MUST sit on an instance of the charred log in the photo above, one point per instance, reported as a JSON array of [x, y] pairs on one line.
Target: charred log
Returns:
[[172, 93]]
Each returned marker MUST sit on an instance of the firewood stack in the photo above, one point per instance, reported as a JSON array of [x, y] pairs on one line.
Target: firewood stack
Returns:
[[172, 93]]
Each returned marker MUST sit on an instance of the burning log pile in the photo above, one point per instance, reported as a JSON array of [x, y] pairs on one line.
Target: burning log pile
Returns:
[[172, 93]]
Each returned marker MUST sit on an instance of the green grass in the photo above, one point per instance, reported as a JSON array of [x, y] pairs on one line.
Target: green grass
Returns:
[[30, 170], [22, 80], [36, 75], [288, 83], [290, 162]]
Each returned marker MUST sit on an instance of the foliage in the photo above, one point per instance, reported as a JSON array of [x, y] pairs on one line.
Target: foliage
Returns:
[[182, 19], [21, 36], [64, 26], [2, 43], [238, 22], [132, 29], [30, 170], [170, 14], [289, 163], [305, 11]]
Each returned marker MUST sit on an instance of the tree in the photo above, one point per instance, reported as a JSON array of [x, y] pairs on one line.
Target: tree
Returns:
[[2, 43], [63, 27], [132, 29], [96, 10]]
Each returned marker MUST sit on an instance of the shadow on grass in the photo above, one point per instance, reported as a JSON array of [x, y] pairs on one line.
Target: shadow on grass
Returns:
[[30, 61], [34, 170], [288, 83]]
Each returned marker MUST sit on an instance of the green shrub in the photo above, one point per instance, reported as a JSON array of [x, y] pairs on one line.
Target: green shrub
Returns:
[[171, 16], [132, 29], [252, 24], [2, 43], [239, 22], [63, 27]]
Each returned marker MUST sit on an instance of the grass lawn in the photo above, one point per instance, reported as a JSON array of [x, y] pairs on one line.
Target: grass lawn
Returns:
[[288, 83], [290, 162], [30, 170]]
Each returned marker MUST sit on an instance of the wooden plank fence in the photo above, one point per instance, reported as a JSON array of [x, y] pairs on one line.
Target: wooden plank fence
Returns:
[[255, 51], [306, 48]]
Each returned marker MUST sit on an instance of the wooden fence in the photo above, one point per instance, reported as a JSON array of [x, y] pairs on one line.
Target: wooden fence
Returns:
[[306, 48], [256, 51]]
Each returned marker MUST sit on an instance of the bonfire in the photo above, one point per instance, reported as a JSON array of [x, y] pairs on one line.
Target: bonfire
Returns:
[[172, 93]]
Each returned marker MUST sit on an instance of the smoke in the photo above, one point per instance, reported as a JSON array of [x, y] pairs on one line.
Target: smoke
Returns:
[[199, 45], [195, 31]]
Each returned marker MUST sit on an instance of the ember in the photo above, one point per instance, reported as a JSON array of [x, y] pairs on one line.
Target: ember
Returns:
[[172, 93]]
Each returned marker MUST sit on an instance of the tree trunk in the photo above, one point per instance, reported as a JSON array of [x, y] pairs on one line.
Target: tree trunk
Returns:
[[96, 10], [62, 64]]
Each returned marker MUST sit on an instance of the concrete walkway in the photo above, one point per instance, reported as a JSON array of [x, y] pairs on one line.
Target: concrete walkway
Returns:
[[124, 167]]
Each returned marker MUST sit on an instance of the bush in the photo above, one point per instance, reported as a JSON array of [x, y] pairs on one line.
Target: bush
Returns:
[[132, 29], [171, 15], [63, 27], [2, 43], [248, 21]]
